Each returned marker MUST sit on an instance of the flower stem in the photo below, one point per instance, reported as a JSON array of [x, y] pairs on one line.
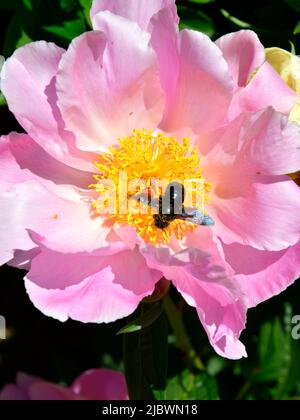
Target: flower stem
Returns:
[[182, 338]]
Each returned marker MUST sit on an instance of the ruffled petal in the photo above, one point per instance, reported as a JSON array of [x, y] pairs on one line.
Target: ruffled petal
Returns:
[[28, 84], [46, 391], [61, 222], [107, 84], [101, 384], [204, 282], [263, 214], [262, 274], [22, 159], [12, 392], [244, 54], [89, 288], [253, 204], [140, 11], [265, 89], [194, 75]]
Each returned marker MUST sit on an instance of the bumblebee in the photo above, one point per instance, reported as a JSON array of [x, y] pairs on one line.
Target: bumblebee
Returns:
[[170, 207]]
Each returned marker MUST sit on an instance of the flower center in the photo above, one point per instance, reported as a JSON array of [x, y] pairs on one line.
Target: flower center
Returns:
[[143, 165]]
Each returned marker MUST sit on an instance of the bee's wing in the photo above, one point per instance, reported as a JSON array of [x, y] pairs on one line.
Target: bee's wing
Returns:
[[196, 217], [146, 200]]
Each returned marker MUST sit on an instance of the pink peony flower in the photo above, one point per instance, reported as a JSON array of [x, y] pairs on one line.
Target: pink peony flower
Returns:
[[125, 95], [96, 384]]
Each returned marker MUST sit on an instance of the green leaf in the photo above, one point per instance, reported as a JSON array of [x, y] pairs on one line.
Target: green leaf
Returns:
[[28, 4], [23, 40], [2, 100], [144, 321], [238, 22], [159, 395], [215, 365], [297, 28], [190, 386], [86, 6], [16, 35], [279, 355], [271, 345], [68, 30], [67, 5], [196, 19], [146, 360]]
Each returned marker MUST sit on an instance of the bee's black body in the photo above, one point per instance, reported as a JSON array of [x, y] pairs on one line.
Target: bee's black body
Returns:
[[174, 200], [170, 207]]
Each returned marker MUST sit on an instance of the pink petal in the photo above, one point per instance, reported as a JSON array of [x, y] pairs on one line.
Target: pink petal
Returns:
[[13, 393], [140, 11], [22, 159], [27, 82], [194, 75], [244, 53], [204, 282], [257, 84], [250, 205], [262, 274], [22, 259], [271, 144], [61, 223], [266, 88], [46, 391], [263, 214], [101, 384], [223, 322], [24, 381], [260, 143], [107, 84], [89, 289]]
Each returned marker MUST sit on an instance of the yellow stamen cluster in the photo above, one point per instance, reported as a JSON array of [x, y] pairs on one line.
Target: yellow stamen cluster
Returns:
[[145, 156]]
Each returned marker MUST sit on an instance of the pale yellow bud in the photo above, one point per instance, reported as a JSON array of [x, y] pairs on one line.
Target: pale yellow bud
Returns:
[[287, 66]]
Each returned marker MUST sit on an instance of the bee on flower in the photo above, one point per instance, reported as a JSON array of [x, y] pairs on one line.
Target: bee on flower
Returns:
[[137, 95]]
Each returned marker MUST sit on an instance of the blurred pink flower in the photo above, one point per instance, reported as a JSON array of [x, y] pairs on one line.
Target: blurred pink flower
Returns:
[[136, 71], [97, 384]]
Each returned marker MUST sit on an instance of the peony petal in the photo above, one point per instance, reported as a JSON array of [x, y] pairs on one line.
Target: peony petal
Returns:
[[264, 214], [263, 143], [46, 391], [107, 84], [244, 54], [204, 283], [24, 381], [257, 84], [271, 144], [223, 323], [194, 75], [27, 82], [22, 259], [13, 393], [265, 89], [61, 223], [22, 159], [89, 289], [262, 274], [101, 384], [140, 11], [249, 204]]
